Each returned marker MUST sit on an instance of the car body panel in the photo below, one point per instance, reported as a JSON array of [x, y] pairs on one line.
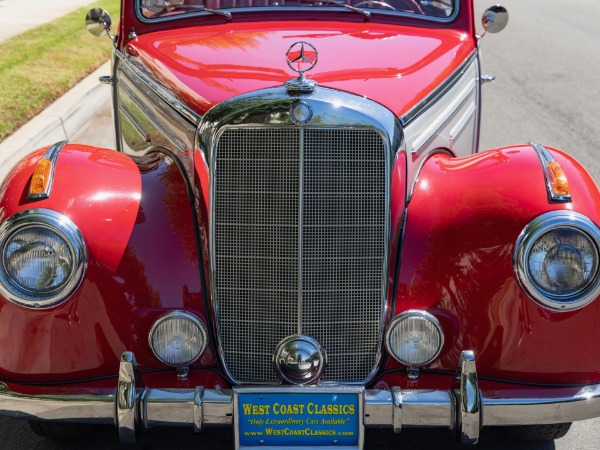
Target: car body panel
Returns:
[[128, 284], [464, 219], [207, 65], [384, 152]]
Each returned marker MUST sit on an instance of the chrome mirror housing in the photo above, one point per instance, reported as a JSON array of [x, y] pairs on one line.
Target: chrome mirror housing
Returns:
[[98, 22], [494, 19]]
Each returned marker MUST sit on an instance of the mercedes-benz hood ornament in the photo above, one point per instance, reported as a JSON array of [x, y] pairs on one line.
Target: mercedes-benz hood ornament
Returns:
[[301, 57]]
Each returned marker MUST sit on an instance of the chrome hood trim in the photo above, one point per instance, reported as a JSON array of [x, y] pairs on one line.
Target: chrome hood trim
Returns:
[[156, 87], [271, 107]]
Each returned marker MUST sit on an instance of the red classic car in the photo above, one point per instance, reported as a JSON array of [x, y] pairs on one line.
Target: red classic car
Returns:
[[298, 237]]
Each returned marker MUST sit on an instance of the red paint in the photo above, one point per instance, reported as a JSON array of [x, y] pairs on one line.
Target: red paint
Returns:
[[99, 190], [197, 377], [464, 21], [463, 221], [397, 208], [202, 199], [396, 66], [137, 223]]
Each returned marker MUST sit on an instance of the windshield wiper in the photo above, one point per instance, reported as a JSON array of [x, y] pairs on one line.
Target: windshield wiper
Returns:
[[201, 8], [366, 14]]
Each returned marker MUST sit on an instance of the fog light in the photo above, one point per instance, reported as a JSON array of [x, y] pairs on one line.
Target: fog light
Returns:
[[178, 338], [414, 338]]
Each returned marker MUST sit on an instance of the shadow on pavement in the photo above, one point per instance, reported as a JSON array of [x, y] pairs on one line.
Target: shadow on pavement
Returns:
[[16, 435]]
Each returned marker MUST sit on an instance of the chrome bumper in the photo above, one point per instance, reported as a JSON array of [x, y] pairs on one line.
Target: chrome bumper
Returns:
[[132, 408]]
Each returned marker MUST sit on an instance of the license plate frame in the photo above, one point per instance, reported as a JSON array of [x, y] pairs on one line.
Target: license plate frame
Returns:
[[333, 404]]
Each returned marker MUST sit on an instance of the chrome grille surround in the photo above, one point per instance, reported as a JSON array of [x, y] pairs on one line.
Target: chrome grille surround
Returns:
[[268, 239]]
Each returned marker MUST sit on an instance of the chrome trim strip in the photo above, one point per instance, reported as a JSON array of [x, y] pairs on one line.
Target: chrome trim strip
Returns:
[[438, 92], [462, 123], [290, 9], [170, 407], [534, 230], [541, 406], [217, 407], [424, 161], [154, 85], [477, 134], [198, 410], [397, 409], [159, 124], [68, 231], [84, 407], [469, 400], [439, 121], [52, 156], [300, 228], [137, 126], [421, 408], [126, 404], [545, 159]]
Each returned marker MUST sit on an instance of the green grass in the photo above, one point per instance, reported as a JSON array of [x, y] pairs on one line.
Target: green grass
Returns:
[[40, 65]]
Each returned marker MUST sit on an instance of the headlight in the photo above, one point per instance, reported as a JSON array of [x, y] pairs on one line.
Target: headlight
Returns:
[[178, 338], [415, 338], [43, 258], [556, 260]]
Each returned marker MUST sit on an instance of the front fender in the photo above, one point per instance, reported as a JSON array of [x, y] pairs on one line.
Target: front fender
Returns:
[[98, 189], [462, 225], [138, 225]]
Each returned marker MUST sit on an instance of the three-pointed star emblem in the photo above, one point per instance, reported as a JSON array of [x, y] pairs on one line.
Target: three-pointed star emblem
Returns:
[[301, 57]]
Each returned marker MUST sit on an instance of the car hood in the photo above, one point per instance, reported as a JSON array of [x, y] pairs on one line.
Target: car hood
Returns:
[[396, 66]]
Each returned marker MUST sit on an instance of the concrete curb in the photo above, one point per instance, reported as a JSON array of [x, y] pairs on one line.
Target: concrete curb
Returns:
[[62, 120]]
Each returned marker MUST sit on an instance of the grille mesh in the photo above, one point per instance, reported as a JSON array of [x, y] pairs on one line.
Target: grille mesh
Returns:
[[263, 176]]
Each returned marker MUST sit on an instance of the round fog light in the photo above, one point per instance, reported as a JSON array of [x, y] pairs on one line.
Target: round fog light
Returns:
[[178, 338], [414, 338]]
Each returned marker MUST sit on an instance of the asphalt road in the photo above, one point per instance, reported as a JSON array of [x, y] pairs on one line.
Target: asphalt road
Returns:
[[547, 63]]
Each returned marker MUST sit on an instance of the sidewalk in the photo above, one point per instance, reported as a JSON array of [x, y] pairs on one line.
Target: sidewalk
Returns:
[[65, 118], [62, 120], [18, 16]]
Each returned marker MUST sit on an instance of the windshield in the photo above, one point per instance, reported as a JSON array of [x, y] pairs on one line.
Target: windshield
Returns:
[[154, 9]]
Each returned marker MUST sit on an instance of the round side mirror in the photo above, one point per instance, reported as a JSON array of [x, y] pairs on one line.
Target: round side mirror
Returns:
[[494, 19], [98, 22]]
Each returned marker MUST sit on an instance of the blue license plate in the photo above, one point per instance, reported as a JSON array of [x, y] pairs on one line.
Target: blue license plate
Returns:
[[282, 418]]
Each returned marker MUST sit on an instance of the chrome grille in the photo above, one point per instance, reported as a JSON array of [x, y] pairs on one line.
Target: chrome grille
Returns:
[[299, 241]]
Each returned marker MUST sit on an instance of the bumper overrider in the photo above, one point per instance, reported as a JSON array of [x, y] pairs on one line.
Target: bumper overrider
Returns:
[[465, 410]]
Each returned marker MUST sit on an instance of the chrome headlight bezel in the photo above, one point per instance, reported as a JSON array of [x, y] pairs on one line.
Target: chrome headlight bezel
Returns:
[[195, 320], [422, 315], [526, 241], [65, 229]]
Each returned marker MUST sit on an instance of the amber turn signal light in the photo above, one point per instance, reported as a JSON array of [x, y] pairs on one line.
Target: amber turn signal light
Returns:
[[558, 179], [41, 177]]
